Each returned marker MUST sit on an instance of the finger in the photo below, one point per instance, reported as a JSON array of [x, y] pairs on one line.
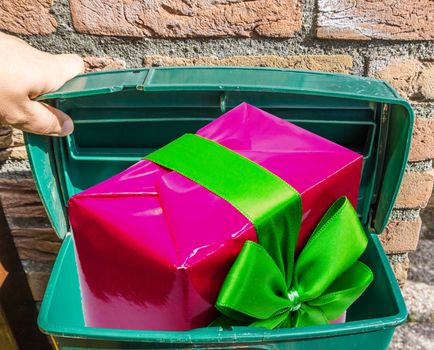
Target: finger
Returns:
[[46, 120], [63, 68]]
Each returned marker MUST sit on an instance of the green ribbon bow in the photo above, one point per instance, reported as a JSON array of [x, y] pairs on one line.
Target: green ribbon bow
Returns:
[[327, 278], [265, 287]]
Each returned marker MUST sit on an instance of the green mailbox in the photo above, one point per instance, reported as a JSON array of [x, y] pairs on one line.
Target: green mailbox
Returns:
[[121, 116]]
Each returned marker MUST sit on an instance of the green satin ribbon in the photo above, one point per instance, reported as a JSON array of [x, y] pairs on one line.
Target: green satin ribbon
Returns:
[[264, 288], [327, 278], [262, 197]]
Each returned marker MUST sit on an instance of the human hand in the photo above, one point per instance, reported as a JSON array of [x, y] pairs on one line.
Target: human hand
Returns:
[[26, 73]]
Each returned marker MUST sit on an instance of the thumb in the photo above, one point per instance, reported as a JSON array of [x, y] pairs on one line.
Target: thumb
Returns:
[[46, 120]]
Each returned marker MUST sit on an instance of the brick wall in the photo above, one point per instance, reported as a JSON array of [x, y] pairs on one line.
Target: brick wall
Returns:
[[390, 40]]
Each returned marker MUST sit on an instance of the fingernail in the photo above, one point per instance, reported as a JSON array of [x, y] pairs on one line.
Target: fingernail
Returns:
[[67, 127]]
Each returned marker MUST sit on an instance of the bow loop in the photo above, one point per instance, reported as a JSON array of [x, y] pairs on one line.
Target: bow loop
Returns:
[[335, 244], [256, 270]]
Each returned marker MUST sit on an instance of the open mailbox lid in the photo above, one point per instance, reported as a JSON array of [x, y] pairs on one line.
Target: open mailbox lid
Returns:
[[120, 116]]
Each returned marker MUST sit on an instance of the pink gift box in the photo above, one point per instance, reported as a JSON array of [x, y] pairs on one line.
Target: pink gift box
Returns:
[[153, 247]]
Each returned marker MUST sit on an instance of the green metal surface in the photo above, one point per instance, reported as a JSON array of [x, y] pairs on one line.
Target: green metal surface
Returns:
[[122, 116]]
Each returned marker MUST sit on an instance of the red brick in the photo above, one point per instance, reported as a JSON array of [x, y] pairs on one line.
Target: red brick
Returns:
[[38, 283], [21, 200], [400, 267], [36, 250], [414, 79], [181, 19], [37, 244], [375, 19], [27, 16], [13, 153], [401, 236], [17, 137], [17, 184], [94, 64], [415, 190], [5, 136], [12, 144], [422, 144]]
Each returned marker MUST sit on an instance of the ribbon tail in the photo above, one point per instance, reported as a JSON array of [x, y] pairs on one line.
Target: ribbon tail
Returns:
[[254, 288], [344, 291], [278, 233]]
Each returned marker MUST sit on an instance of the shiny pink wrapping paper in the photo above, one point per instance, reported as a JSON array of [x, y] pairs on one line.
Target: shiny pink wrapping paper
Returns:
[[153, 247]]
